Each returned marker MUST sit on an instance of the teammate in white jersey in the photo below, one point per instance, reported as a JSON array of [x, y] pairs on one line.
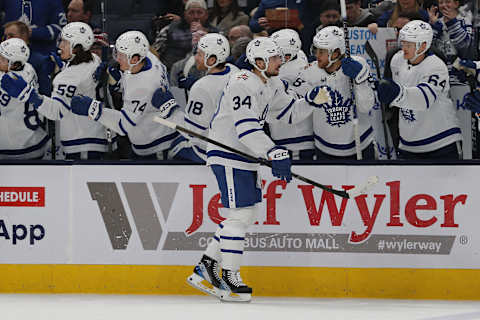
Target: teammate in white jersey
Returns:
[[297, 138], [21, 134], [249, 99], [420, 85], [81, 139], [333, 123], [212, 52], [143, 73]]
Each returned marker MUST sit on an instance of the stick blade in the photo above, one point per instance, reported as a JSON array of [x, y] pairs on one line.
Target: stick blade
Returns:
[[165, 122], [363, 188]]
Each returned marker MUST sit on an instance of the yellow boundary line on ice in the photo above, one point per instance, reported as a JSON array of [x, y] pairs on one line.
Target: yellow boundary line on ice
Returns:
[[266, 281]]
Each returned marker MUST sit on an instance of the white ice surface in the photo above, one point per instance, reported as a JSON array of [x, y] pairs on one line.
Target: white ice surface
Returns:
[[140, 307]]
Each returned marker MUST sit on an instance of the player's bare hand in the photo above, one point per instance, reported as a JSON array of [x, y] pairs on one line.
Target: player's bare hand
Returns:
[[433, 13], [263, 22]]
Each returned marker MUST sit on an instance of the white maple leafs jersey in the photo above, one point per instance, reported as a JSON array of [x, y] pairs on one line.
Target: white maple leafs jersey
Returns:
[[21, 134], [203, 101], [333, 123], [77, 133], [135, 119], [427, 118], [299, 136], [247, 102]]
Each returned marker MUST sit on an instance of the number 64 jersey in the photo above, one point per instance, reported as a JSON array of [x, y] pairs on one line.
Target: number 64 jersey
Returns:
[[427, 118]]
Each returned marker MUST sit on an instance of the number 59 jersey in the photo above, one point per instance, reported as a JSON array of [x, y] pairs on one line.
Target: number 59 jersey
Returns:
[[77, 133], [427, 118], [21, 133]]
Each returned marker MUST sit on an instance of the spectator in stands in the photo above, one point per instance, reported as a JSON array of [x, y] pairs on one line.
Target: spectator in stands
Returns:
[[239, 48], [41, 63], [388, 18], [357, 16], [174, 41], [452, 32], [80, 10], [329, 16], [226, 14], [168, 12], [238, 32], [45, 18], [259, 22], [184, 73]]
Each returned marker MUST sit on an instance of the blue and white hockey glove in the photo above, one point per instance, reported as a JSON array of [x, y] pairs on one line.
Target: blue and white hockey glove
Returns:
[[281, 163], [471, 101], [387, 90], [164, 101], [318, 96], [86, 106], [351, 68], [56, 64], [15, 86]]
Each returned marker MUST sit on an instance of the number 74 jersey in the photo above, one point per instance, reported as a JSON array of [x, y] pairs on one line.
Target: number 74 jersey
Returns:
[[427, 117]]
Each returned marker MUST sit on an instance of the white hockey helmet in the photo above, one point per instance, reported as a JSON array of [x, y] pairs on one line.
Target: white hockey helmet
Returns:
[[132, 43], [214, 44], [418, 32], [14, 50], [78, 33], [288, 41], [330, 38], [262, 48]]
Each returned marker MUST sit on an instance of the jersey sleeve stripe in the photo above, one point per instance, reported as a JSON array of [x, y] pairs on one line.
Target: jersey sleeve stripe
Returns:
[[62, 102], [194, 124], [239, 122], [228, 155], [231, 251], [425, 96], [285, 110], [128, 119], [429, 88], [157, 142], [248, 132], [122, 128]]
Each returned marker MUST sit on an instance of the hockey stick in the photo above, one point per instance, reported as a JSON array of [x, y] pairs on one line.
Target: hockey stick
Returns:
[[371, 53], [352, 193], [343, 9], [104, 79]]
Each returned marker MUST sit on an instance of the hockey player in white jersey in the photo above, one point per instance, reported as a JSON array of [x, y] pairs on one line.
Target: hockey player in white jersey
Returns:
[[249, 99], [333, 123], [81, 139], [142, 75], [21, 134], [420, 85], [212, 52], [297, 138]]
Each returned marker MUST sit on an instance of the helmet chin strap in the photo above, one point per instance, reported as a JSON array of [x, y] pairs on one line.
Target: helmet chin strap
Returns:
[[263, 71], [205, 58], [417, 47], [330, 61]]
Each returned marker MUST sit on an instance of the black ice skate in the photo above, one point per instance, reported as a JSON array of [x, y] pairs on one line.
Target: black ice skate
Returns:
[[233, 288], [206, 277]]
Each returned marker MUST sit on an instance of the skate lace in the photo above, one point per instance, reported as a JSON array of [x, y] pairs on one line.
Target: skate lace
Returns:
[[236, 279], [216, 270]]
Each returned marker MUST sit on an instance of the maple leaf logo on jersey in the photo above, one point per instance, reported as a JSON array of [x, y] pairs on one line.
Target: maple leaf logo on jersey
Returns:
[[338, 113], [408, 115], [242, 76]]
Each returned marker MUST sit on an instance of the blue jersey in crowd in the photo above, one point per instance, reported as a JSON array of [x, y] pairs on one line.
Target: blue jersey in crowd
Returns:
[[272, 4], [46, 18]]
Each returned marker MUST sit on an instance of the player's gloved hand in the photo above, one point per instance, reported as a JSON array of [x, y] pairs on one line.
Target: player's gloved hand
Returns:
[[86, 106], [281, 163], [387, 90], [56, 64], [318, 96], [100, 71], [164, 101], [186, 82], [351, 68], [15, 86], [471, 101]]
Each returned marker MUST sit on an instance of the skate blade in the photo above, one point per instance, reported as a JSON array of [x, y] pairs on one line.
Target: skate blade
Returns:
[[229, 296], [203, 285]]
